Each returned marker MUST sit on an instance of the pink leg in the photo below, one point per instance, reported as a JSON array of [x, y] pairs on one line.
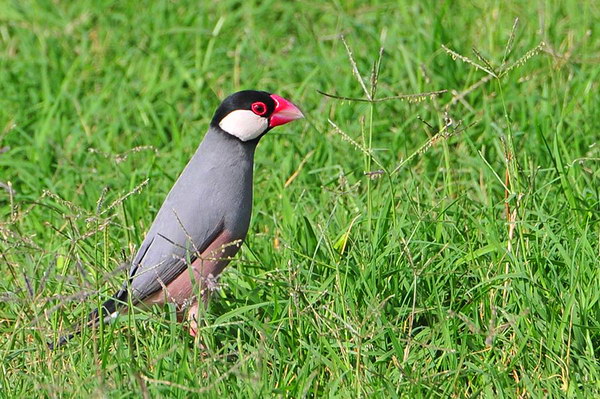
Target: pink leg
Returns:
[[193, 319]]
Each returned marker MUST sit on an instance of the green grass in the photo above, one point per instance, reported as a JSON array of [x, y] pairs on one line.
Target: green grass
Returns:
[[471, 270]]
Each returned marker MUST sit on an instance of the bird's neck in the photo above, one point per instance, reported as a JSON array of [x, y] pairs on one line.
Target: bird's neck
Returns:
[[221, 150], [220, 138]]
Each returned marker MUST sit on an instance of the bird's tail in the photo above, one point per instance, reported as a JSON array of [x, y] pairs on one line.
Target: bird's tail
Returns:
[[105, 312]]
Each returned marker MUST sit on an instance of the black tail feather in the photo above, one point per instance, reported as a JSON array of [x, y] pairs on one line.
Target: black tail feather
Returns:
[[105, 312]]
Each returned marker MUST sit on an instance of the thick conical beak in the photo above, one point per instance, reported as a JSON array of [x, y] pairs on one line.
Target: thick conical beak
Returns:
[[284, 112]]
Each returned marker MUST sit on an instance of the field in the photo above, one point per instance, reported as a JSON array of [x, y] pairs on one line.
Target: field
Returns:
[[431, 229]]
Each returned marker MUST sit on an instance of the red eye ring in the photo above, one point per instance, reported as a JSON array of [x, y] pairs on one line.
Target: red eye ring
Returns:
[[259, 108]]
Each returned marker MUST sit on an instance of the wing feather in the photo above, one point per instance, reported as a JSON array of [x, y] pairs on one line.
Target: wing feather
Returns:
[[164, 259]]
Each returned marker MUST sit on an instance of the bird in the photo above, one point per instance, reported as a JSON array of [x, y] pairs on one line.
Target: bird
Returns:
[[205, 216]]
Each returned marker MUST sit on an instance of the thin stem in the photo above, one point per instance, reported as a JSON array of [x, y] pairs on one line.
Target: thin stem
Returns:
[[368, 168], [409, 97]]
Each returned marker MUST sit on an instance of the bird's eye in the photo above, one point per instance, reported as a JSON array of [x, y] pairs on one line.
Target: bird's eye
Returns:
[[259, 108]]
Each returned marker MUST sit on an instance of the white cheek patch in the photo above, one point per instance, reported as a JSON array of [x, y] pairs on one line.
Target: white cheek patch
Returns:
[[244, 124]]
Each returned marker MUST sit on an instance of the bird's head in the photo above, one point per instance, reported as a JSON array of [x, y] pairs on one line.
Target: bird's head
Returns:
[[249, 114]]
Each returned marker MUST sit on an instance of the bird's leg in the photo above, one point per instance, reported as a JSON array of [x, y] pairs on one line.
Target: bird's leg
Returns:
[[206, 285], [193, 319]]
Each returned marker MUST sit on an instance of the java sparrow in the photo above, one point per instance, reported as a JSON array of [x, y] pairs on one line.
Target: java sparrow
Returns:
[[206, 215]]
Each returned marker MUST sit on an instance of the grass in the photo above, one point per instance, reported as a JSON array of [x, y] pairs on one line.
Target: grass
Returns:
[[444, 247]]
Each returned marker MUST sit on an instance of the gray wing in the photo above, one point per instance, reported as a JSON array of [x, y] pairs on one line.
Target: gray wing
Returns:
[[162, 258], [186, 224]]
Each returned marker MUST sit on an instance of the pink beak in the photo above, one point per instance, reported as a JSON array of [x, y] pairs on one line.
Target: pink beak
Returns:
[[284, 112]]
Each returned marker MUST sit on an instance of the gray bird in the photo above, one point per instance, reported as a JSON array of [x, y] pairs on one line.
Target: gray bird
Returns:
[[205, 217]]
